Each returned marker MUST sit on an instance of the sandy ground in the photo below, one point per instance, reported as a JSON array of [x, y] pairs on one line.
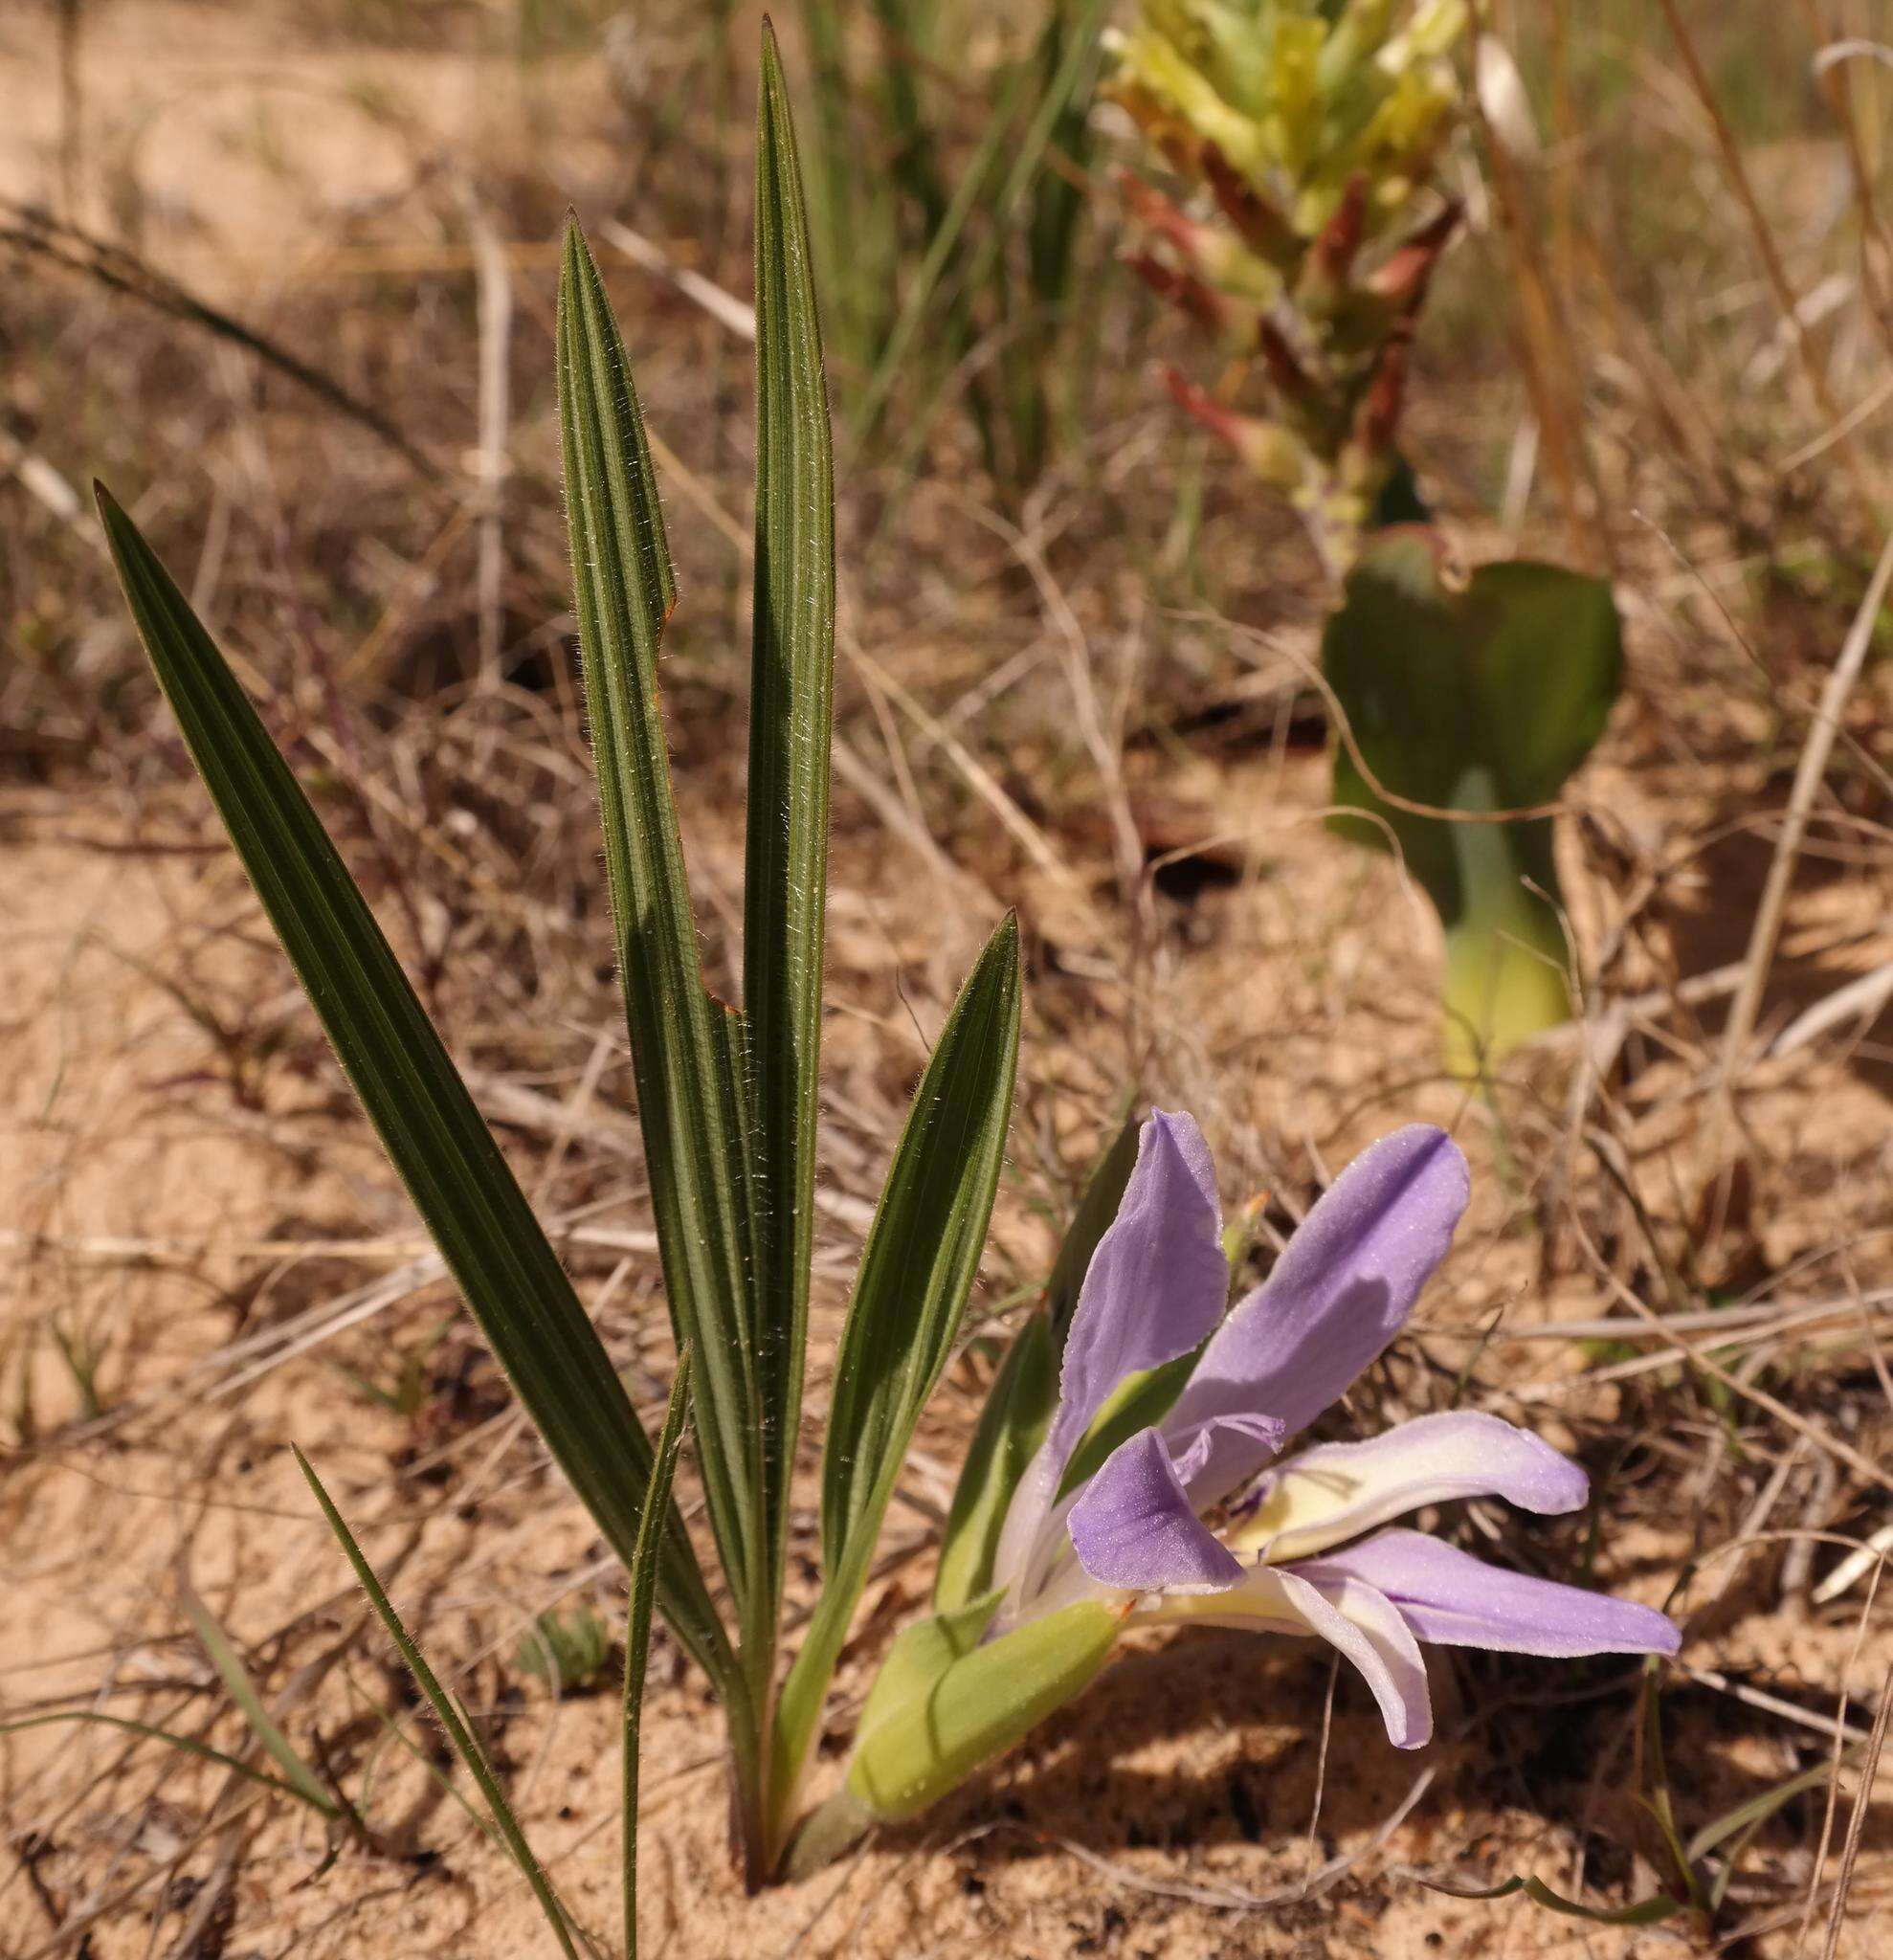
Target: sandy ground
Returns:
[[181, 1175], [1133, 1823]]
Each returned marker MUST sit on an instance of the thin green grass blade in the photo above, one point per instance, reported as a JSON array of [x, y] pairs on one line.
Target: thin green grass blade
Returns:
[[236, 1678], [461, 1185], [393, 1731], [1651, 1912], [318, 1800], [981, 171], [683, 1049], [917, 1269], [791, 714], [637, 1626], [465, 1744], [1027, 158]]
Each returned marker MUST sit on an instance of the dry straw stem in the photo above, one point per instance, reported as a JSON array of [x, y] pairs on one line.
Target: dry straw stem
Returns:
[[1546, 352], [1875, 274], [1786, 299], [1807, 777]]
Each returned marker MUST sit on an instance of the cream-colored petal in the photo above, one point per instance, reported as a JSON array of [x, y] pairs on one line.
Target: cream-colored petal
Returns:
[[1352, 1615], [1327, 1495]]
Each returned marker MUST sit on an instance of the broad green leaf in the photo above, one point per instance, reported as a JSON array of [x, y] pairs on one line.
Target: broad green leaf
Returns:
[[1005, 1440], [685, 1048], [917, 1269], [790, 701], [976, 1708], [448, 1714], [637, 1628], [235, 1676], [466, 1195], [1018, 1408], [1483, 697]]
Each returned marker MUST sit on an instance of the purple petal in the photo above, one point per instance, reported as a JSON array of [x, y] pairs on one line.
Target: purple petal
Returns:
[[1350, 1614], [1155, 1285], [1456, 1600], [1133, 1528], [1338, 1294], [1196, 1450], [1327, 1495]]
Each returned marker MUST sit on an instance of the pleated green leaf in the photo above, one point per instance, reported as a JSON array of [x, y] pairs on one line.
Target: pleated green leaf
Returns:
[[917, 1270], [466, 1195], [686, 1049], [791, 711], [923, 1249], [637, 1628]]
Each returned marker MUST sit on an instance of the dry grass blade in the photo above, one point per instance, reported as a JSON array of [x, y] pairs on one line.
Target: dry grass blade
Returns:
[[1807, 777], [1857, 1822]]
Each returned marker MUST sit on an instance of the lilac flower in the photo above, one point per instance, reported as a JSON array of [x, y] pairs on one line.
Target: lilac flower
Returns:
[[1302, 1548]]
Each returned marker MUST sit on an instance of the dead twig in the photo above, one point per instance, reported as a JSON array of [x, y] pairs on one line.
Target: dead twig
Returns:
[[1807, 777]]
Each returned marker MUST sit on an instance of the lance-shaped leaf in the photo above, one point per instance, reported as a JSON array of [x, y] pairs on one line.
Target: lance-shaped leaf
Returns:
[[685, 1048], [462, 1187], [917, 1269], [1484, 697], [1019, 1407], [923, 1249], [790, 695]]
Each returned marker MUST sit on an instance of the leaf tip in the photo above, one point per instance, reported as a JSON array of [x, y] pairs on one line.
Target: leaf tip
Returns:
[[774, 85]]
